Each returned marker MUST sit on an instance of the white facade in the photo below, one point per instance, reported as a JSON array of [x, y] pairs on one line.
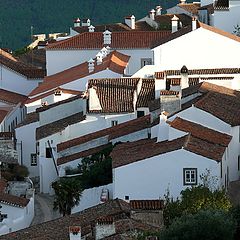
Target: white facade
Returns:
[[153, 177], [197, 49], [15, 82]]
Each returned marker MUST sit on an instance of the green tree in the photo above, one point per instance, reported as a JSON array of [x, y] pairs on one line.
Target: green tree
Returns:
[[67, 194], [206, 224]]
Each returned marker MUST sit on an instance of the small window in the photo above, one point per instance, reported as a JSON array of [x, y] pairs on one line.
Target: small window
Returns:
[[190, 176], [140, 114], [48, 153], [58, 92], [114, 123], [146, 61], [37, 148], [238, 162], [127, 198], [33, 159]]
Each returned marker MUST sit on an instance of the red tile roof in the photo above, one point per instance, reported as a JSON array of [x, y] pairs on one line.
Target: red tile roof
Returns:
[[112, 132], [29, 118], [147, 204], [201, 132], [169, 92], [221, 5], [127, 153], [13, 200], [83, 154], [12, 97], [3, 185], [190, 7], [119, 40], [28, 71], [115, 61], [115, 94]]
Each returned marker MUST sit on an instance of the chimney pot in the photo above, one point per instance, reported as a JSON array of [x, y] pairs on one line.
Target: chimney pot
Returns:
[[99, 58], [91, 28], [91, 65], [152, 14], [158, 10], [107, 37], [77, 22], [175, 20], [184, 77], [130, 21], [194, 23]]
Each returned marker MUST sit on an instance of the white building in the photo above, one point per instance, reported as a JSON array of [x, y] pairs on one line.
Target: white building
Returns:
[[17, 76]]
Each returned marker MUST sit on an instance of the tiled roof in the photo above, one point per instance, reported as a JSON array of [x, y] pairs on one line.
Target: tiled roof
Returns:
[[146, 204], [190, 7], [112, 132], [3, 114], [177, 81], [26, 70], [159, 75], [29, 118], [201, 132], [221, 5], [7, 135], [13, 200], [3, 185], [115, 95], [147, 93], [69, 91], [57, 126], [127, 153], [12, 97], [59, 228], [115, 61], [82, 154], [119, 40], [169, 92]]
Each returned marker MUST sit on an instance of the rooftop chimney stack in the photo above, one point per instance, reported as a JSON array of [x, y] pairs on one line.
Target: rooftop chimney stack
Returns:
[[77, 22], [91, 28], [91, 65], [99, 58], [130, 21], [104, 227], [194, 23], [107, 35], [152, 14], [182, 1], [175, 20], [184, 77], [86, 22], [75, 233], [104, 52], [158, 10]]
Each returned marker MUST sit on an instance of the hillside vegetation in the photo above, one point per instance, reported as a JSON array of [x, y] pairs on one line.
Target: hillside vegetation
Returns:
[[17, 16]]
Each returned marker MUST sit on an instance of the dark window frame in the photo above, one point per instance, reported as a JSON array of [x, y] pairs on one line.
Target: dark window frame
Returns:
[[185, 183]]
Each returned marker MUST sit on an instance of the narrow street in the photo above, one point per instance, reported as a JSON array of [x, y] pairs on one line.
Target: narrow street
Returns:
[[44, 209]]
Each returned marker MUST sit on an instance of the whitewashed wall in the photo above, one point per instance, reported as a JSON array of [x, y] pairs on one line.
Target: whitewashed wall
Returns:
[[160, 173]]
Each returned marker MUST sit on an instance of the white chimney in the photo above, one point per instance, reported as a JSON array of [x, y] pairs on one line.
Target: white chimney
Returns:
[[91, 65], [182, 1], [184, 77], [194, 23], [107, 35], [91, 28], [94, 102], [104, 227], [130, 21], [77, 22], [175, 20], [163, 127], [86, 22], [108, 49], [75, 233], [152, 14], [99, 58], [158, 10], [104, 52]]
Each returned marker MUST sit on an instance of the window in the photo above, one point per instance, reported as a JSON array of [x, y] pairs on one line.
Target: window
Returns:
[[127, 198], [48, 153], [238, 162], [140, 114], [33, 159], [37, 148], [114, 123], [57, 92], [146, 61], [190, 176]]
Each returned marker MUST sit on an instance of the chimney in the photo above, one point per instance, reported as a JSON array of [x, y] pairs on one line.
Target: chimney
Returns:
[[86, 22], [104, 52], [99, 58], [163, 127], [91, 65], [108, 49], [104, 227], [91, 28], [77, 22], [130, 21], [152, 14], [194, 23], [75, 233], [107, 37], [184, 77], [182, 1], [175, 20], [158, 10]]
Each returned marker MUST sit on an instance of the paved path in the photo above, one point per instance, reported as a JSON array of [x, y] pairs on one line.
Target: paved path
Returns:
[[44, 209]]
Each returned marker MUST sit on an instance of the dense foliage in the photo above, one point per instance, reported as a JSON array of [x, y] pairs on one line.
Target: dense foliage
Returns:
[[17, 17], [67, 194], [205, 224], [14, 172], [193, 200]]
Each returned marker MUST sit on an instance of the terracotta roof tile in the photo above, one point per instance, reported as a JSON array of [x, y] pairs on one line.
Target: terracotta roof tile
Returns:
[[83, 154], [13, 200], [119, 40], [159, 75], [146, 204], [115, 95], [29, 118], [112, 132], [12, 97], [147, 93], [169, 92], [26, 70], [221, 5], [190, 7], [115, 61], [3, 185], [54, 127], [201, 132]]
